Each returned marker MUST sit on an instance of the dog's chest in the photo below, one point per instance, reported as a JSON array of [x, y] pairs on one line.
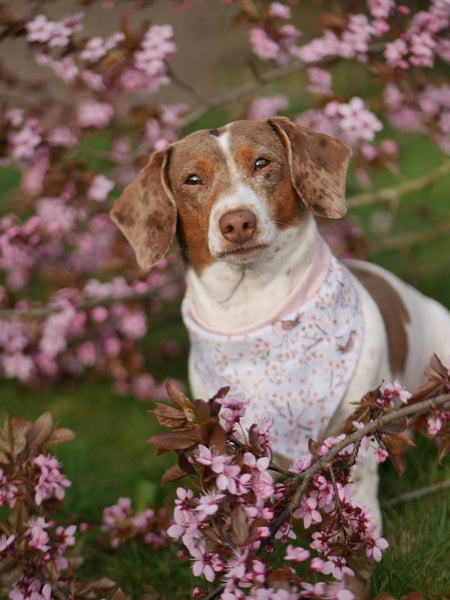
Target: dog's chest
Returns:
[[295, 369]]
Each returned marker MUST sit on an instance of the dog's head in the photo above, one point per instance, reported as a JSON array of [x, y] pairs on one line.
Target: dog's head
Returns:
[[228, 192]]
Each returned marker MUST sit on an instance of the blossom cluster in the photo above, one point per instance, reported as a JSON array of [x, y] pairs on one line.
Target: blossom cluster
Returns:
[[149, 525], [76, 332], [32, 545], [236, 517], [39, 552], [237, 514]]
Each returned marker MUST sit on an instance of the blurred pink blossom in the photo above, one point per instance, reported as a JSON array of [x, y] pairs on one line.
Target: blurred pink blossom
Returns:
[[95, 114]]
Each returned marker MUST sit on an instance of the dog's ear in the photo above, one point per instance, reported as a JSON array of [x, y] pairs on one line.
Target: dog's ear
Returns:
[[146, 212], [318, 165]]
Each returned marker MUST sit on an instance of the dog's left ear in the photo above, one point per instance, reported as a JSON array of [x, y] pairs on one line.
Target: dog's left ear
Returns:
[[318, 165], [146, 212]]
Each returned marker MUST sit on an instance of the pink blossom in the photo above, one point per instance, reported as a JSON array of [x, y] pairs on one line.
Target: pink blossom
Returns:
[[5, 542], [25, 141], [56, 217], [208, 505], [391, 392], [434, 424], [296, 553], [8, 491], [357, 122], [227, 474], [14, 116], [94, 50], [66, 535], [279, 11], [150, 61], [132, 321], [263, 47], [54, 332], [381, 9], [381, 455], [51, 481], [319, 81], [37, 534], [18, 365], [100, 188], [95, 114], [334, 565], [40, 29], [262, 108], [395, 53], [422, 47], [33, 177], [375, 546], [203, 562], [307, 510]]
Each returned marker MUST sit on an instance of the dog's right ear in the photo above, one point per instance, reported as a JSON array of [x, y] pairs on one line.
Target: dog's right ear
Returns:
[[146, 212]]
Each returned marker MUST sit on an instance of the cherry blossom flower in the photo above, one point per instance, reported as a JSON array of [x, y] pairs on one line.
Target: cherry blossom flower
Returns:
[[376, 545], [296, 553], [263, 46], [95, 114], [319, 81], [38, 536], [100, 188], [308, 510], [208, 504], [391, 392], [203, 564], [51, 481], [262, 108], [279, 11]]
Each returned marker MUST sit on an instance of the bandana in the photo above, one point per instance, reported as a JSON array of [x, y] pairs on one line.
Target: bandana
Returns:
[[294, 367]]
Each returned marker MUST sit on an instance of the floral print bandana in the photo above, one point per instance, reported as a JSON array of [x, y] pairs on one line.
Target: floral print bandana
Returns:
[[296, 367]]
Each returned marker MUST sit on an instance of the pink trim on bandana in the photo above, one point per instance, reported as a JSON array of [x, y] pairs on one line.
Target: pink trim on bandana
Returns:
[[295, 369], [304, 290]]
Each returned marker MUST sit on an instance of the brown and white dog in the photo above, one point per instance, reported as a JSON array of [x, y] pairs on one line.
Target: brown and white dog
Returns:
[[241, 200]]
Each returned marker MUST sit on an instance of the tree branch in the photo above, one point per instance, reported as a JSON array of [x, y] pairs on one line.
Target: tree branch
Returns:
[[393, 193], [45, 311], [406, 241], [442, 485], [303, 478]]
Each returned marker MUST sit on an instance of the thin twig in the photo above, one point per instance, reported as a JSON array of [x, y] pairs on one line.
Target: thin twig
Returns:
[[42, 312], [238, 92], [443, 485], [406, 241], [393, 193]]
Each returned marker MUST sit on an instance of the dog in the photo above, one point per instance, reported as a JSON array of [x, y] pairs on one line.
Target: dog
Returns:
[[269, 310]]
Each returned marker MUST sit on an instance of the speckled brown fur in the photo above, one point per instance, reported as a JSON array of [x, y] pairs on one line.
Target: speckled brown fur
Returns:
[[394, 312]]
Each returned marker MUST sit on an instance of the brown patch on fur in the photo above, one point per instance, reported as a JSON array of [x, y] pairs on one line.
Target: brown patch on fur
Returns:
[[394, 312], [318, 165], [254, 140], [146, 214], [199, 154]]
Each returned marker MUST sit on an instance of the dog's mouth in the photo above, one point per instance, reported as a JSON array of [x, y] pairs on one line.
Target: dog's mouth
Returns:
[[242, 251]]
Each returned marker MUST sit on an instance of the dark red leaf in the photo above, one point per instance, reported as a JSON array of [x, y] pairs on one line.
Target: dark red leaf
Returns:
[[217, 439], [40, 430], [169, 417], [173, 474], [175, 440]]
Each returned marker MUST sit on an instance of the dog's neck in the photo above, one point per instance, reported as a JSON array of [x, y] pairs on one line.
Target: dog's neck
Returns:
[[230, 297]]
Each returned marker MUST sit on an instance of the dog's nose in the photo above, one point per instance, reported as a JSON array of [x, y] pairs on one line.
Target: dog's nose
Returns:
[[238, 226]]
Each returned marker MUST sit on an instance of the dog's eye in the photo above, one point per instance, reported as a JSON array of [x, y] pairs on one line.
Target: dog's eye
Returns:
[[260, 163], [193, 180]]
